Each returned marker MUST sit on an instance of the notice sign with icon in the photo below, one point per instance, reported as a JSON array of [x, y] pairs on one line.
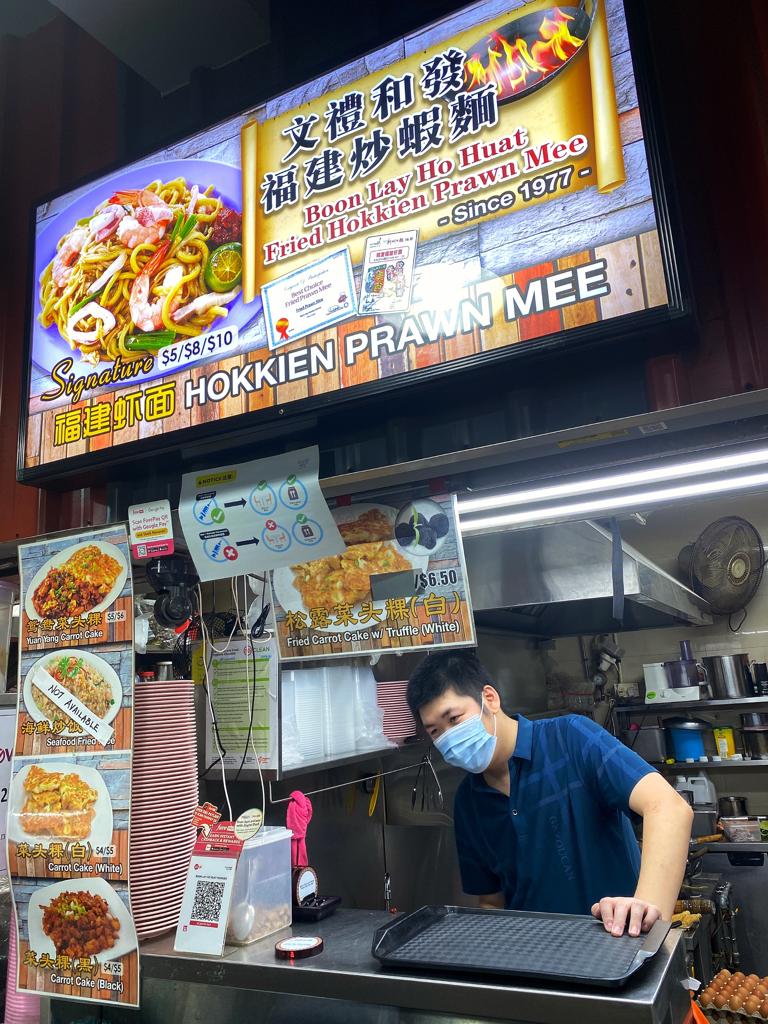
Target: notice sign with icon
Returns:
[[257, 515]]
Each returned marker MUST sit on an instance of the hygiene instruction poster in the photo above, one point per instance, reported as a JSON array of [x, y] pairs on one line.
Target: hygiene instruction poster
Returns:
[[257, 515]]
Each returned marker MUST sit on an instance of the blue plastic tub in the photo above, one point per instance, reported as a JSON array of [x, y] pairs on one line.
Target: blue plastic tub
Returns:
[[686, 743]]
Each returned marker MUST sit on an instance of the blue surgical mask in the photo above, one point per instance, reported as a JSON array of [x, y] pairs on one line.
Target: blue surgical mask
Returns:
[[468, 745]]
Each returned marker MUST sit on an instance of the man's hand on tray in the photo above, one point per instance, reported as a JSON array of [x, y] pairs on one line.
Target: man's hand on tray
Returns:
[[620, 912]]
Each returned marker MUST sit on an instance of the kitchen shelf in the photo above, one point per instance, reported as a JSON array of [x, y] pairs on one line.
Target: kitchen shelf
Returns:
[[731, 847], [680, 766], [359, 757], [691, 705]]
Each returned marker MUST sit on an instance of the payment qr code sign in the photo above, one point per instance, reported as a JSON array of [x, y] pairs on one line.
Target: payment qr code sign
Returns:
[[206, 906], [204, 911]]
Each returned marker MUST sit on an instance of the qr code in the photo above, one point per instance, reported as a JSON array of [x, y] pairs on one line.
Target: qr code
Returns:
[[207, 902]]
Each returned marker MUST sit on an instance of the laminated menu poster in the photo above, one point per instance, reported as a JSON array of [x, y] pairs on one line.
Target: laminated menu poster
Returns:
[[399, 584], [69, 796]]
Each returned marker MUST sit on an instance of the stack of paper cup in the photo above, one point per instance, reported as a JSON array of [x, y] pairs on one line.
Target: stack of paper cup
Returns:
[[399, 723], [164, 795], [20, 1007]]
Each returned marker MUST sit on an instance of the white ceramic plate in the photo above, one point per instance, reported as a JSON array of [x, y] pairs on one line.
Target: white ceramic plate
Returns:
[[98, 664], [102, 824], [282, 579], [40, 942], [59, 559]]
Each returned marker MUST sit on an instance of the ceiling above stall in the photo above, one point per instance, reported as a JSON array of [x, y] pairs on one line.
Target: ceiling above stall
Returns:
[[202, 35]]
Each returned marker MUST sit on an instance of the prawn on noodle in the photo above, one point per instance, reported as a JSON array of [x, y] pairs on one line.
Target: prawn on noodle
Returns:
[[132, 277]]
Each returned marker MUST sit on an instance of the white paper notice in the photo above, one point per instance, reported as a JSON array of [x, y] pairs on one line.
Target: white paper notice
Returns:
[[388, 272], [309, 299], [257, 515], [76, 710], [242, 683]]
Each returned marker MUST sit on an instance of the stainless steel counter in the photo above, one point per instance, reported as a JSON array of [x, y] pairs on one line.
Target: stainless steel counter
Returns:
[[346, 972]]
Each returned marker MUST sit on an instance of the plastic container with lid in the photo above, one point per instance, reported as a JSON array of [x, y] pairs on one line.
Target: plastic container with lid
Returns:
[[686, 737], [261, 897]]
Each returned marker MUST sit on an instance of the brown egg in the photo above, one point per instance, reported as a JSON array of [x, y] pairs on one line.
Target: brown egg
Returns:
[[736, 1002], [761, 990], [764, 1009], [753, 977], [739, 976], [705, 999], [752, 1005], [719, 1001]]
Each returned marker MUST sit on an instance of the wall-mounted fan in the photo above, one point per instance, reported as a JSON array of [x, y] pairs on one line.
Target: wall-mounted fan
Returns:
[[725, 565]]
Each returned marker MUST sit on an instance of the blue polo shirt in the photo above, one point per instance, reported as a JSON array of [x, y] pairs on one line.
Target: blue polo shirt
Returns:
[[562, 839]]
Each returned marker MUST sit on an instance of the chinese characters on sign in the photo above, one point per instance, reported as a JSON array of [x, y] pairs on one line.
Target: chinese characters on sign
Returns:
[[69, 796], [463, 200], [399, 584]]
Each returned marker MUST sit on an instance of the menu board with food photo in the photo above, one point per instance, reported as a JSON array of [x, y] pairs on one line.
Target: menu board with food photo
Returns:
[[69, 797], [454, 198], [75, 701], [69, 817], [77, 940], [399, 584], [77, 591]]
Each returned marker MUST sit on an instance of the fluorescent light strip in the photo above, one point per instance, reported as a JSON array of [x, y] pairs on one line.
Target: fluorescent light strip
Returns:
[[595, 484], [637, 500]]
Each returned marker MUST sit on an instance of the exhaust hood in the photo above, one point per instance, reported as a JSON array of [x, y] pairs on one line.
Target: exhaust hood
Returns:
[[557, 581]]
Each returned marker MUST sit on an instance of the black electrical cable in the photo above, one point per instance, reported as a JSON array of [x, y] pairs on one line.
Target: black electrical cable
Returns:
[[223, 749], [255, 633]]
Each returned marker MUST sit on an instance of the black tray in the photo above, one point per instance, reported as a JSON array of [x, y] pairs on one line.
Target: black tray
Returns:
[[513, 942], [317, 912]]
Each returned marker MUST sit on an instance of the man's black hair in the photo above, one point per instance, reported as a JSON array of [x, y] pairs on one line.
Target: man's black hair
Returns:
[[448, 670]]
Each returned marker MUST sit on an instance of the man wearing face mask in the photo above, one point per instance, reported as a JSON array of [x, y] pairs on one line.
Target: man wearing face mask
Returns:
[[541, 819]]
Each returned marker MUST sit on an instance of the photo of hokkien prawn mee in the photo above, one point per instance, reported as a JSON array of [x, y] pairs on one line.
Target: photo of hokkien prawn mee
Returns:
[[146, 268]]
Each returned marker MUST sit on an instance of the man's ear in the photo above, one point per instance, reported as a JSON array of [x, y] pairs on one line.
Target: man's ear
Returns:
[[491, 698]]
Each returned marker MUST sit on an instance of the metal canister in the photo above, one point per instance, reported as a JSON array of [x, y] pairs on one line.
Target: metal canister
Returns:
[[732, 806], [164, 670], [730, 676]]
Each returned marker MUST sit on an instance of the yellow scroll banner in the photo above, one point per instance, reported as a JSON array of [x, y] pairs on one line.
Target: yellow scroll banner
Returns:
[[605, 115], [578, 101]]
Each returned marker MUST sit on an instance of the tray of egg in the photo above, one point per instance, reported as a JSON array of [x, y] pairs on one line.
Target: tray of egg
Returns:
[[735, 997]]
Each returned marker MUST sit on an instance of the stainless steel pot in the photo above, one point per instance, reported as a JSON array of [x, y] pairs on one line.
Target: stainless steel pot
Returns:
[[732, 807], [729, 676], [756, 742], [754, 720]]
